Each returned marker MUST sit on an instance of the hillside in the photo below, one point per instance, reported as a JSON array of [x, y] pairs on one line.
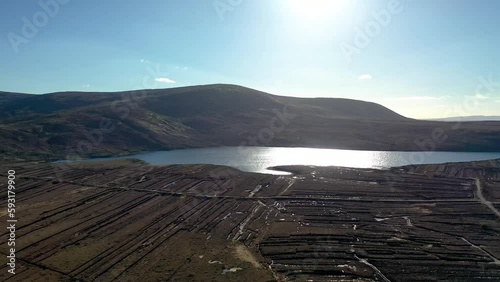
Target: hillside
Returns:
[[80, 124]]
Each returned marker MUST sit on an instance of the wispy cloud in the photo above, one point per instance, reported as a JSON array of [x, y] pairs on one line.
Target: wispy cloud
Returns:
[[164, 80], [86, 86], [481, 97], [144, 61], [365, 77], [423, 98], [478, 97]]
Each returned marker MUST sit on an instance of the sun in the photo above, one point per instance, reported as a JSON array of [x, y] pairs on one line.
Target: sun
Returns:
[[317, 9]]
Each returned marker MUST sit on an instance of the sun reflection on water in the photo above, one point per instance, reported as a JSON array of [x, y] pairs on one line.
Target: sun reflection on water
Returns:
[[259, 159], [320, 157]]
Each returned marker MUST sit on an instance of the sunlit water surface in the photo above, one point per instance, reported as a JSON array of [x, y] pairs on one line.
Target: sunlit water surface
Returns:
[[258, 159]]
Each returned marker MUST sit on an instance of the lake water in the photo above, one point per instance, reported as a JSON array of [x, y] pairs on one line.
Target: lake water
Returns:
[[258, 159]]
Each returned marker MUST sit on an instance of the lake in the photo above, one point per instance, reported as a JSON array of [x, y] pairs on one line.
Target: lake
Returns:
[[258, 159]]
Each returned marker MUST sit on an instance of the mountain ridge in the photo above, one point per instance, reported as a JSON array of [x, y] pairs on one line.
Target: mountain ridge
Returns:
[[113, 96], [46, 127], [468, 118]]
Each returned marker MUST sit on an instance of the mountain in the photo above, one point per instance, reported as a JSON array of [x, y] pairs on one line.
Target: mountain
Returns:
[[83, 124], [470, 118]]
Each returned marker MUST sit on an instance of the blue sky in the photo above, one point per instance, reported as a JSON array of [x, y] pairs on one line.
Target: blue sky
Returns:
[[422, 58]]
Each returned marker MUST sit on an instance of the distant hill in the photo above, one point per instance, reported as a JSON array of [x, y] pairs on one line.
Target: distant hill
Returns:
[[83, 124], [470, 118]]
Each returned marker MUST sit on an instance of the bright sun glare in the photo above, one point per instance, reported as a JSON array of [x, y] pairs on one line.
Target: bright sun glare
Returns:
[[318, 9]]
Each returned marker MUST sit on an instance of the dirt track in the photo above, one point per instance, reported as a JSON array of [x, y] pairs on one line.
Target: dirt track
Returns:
[[125, 221], [483, 199]]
